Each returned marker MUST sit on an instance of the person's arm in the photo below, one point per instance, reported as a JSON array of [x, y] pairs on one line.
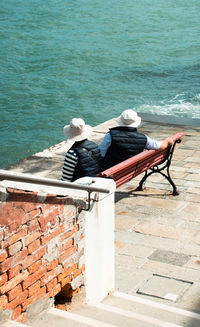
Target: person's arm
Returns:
[[166, 142], [69, 166], [153, 144], [105, 144]]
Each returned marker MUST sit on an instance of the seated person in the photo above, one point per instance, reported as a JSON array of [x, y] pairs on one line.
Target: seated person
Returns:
[[124, 141], [83, 157]]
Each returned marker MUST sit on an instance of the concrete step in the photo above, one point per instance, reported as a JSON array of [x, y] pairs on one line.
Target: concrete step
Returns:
[[122, 310]]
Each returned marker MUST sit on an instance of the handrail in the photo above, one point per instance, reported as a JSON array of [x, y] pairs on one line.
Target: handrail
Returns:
[[5, 175]]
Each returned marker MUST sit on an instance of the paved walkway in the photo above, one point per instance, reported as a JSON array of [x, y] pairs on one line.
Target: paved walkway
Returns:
[[157, 235]]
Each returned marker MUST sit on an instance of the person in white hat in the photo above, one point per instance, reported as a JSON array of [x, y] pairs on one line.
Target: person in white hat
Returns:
[[83, 157], [124, 141]]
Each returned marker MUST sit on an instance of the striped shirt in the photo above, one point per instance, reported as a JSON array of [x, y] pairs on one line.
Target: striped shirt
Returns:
[[70, 162]]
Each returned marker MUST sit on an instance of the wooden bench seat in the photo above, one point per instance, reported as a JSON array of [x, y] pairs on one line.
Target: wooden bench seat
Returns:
[[148, 161]]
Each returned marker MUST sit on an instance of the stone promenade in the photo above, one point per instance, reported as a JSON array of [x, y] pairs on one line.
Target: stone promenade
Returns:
[[157, 235]]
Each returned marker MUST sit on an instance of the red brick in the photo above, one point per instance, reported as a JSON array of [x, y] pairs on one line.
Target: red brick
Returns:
[[29, 260], [3, 279], [53, 264], [12, 294], [83, 268], [67, 272], [34, 277], [32, 247], [77, 272], [14, 271], [33, 225], [3, 255], [51, 274], [50, 217], [14, 248], [14, 238], [1, 235], [69, 262], [30, 238], [66, 281], [68, 244], [34, 288], [32, 214], [55, 233], [54, 291], [12, 261], [35, 297], [34, 267], [67, 253], [22, 318], [16, 313], [17, 301], [51, 284], [3, 301], [13, 282], [69, 233]]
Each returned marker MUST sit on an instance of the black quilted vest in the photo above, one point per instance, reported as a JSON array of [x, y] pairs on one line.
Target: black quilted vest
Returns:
[[126, 142], [88, 159]]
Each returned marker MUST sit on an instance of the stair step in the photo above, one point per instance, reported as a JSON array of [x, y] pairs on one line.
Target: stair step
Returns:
[[122, 310]]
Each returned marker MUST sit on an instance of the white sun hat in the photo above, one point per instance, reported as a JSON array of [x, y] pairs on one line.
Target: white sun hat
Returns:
[[129, 118], [77, 130]]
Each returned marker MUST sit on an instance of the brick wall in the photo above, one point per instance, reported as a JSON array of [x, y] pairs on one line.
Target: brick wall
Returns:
[[41, 249]]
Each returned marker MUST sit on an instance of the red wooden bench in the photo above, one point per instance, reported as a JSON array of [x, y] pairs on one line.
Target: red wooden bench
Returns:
[[148, 161]]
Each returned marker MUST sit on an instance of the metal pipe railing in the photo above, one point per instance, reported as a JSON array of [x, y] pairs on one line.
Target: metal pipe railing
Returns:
[[5, 175]]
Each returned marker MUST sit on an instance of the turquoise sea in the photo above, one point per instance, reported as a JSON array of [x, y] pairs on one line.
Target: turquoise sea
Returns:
[[92, 59]]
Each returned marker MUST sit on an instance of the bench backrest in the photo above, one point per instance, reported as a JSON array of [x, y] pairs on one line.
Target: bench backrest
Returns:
[[130, 168]]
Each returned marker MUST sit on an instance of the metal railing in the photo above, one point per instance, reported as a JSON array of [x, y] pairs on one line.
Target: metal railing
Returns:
[[25, 178]]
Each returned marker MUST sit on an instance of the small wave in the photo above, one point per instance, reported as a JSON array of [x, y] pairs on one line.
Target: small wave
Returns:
[[180, 108]]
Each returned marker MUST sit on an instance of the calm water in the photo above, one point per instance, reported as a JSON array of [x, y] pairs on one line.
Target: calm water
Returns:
[[92, 59]]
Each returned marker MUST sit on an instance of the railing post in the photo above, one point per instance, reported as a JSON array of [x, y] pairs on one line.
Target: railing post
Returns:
[[99, 244]]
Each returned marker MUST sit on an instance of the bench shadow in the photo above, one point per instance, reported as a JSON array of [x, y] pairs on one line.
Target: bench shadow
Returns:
[[120, 195]]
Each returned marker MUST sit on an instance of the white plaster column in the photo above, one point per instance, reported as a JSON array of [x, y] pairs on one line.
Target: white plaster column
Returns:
[[99, 243]]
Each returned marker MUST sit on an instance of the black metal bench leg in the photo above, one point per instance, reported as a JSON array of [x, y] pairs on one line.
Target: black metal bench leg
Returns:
[[168, 177], [140, 186]]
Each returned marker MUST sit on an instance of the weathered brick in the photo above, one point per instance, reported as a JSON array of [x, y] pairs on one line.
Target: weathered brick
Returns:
[[33, 225], [51, 284], [32, 247], [34, 267], [67, 272], [34, 277], [29, 260], [66, 281], [51, 274], [53, 264], [77, 272], [3, 255], [69, 233], [68, 244], [47, 219], [3, 301], [22, 318], [13, 282], [35, 212], [17, 301], [16, 313], [14, 238], [34, 288], [14, 248], [56, 232], [1, 234], [13, 293], [35, 297], [67, 253], [30, 238], [3, 279], [12, 261], [53, 291], [12, 272]]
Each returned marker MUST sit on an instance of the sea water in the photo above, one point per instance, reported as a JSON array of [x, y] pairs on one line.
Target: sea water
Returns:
[[92, 59]]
